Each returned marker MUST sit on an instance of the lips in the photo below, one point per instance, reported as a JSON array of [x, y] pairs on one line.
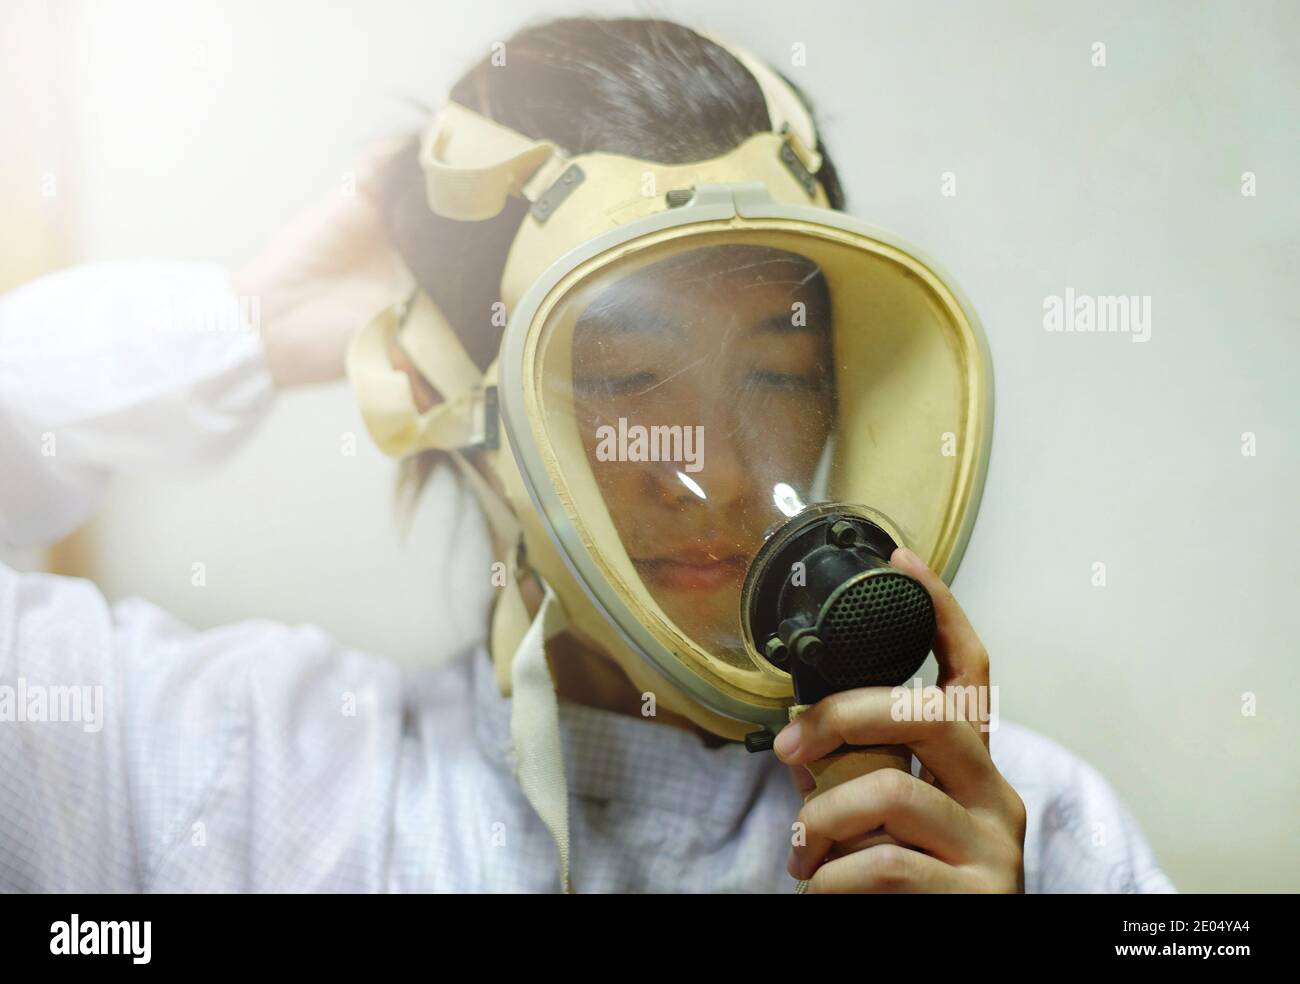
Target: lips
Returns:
[[693, 571]]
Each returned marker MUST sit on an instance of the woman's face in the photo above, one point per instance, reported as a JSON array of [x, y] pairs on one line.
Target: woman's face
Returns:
[[729, 347]]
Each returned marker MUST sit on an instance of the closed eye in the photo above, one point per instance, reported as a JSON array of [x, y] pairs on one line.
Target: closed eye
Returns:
[[614, 385], [787, 380]]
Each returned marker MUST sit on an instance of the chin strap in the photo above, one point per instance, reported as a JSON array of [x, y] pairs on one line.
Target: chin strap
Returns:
[[535, 730]]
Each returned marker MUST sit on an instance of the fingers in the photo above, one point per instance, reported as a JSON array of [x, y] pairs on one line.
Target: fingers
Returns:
[[963, 660], [369, 168], [912, 812], [953, 750], [803, 779], [886, 868], [422, 392], [343, 232]]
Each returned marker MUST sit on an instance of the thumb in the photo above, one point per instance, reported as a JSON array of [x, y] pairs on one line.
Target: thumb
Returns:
[[963, 660]]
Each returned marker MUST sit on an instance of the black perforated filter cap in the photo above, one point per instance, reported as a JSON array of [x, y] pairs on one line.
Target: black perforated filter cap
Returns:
[[877, 631], [822, 602]]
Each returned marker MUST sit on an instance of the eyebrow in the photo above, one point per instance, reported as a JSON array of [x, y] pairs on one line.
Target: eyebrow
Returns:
[[607, 323], [593, 328], [602, 325]]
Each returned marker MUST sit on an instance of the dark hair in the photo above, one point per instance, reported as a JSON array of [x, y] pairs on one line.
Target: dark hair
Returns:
[[649, 89]]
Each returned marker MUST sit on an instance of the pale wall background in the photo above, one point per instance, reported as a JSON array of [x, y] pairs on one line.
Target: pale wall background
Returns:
[[191, 130]]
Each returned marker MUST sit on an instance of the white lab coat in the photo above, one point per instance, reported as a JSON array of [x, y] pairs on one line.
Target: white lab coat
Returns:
[[265, 757]]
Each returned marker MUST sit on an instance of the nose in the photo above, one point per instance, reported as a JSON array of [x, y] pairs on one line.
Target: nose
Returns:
[[717, 479]]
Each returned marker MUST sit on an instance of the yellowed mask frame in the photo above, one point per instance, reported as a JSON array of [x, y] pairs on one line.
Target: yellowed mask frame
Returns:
[[717, 207]]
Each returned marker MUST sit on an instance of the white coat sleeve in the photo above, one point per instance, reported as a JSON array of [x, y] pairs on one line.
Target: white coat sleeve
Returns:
[[135, 752], [121, 365], [138, 754], [1080, 837]]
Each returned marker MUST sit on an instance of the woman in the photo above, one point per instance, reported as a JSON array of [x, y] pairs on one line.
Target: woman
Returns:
[[262, 757]]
